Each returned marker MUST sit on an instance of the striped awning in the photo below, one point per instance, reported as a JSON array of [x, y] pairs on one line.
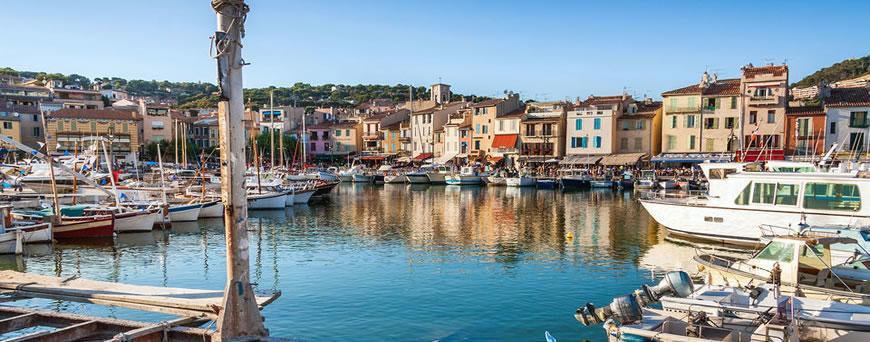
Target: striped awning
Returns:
[[622, 159], [580, 160]]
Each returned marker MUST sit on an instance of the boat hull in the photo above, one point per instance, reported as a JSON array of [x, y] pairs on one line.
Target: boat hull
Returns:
[[345, 178], [493, 180], [290, 199], [462, 180], [267, 201], [85, 227], [184, 213], [599, 184], [396, 179], [417, 178], [211, 210], [569, 184], [141, 221], [520, 181], [302, 197], [38, 233], [547, 184]]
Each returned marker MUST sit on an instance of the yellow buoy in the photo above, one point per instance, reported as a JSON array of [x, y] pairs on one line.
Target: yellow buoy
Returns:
[[569, 236]]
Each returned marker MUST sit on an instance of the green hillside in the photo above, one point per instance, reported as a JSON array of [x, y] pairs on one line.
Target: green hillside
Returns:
[[846, 69]]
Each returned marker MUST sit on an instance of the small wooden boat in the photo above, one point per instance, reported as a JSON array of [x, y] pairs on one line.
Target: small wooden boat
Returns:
[[211, 209], [100, 226], [324, 188], [520, 181], [267, 200], [184, 212], [128, 220], [35, 233], [575, 179], [12, 242]]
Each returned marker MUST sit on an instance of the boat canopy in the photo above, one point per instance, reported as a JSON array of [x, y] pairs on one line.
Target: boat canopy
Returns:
[[622, 159], [580, 160]]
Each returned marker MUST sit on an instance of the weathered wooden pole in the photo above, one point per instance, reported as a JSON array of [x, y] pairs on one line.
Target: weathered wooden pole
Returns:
[[240, 316]]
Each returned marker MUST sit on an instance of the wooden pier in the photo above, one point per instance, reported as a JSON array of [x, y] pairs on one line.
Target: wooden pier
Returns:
[[194, 307]]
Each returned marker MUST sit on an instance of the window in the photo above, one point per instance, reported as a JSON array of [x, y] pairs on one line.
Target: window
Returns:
[[711, 103], [771, 116], [858, 120], [477, 128], [626, 125], [763, 92], [729, 122], [530, 130], [693, 103], [786, 194], [743, 197], [826, 196], [734, 102], [596, 124], [338, 133], [623, 143], [573, 142], [313, 147], [547, 129], [156, 124], [856, 141], [672, 104], [347, 132], [578, 124], [672, 143], [584, 142], [638, 124], [597, 142], [59, 125], [777, 251], [477, 144], [711, 123], [690, 121], [485, 129], [638, 143], [35, 118], [753, 116], [7, 125], [833, 127], [763, 193], [709, 144], [803, 127], [37, 131], [691, 142], [674, 121]]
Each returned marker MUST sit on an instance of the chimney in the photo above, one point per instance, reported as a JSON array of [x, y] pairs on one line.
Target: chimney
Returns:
[[715, 77], [705, 79]]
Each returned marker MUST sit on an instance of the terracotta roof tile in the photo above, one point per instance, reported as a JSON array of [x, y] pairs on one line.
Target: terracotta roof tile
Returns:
[[805, 110], [776, 70], [488, 103], [519, 112], [722, 88], [848, 97], [97, 114]]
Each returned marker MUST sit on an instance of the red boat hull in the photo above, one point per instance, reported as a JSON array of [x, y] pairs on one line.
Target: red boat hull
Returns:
[[85, 227]]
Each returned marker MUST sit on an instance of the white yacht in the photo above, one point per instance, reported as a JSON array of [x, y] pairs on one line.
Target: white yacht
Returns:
[[738, 201]]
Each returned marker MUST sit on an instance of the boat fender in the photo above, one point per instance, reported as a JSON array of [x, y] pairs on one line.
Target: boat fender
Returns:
[[754, 293]]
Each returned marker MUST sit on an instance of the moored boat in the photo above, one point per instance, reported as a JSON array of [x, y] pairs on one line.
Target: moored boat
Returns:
[[496, 180], [467, 176], [211, 209], [547, 183], [363, 178], [575, 179], [184, 212], [101, 226], [12, 242], [267, 200], [303, 196], [520, 181]]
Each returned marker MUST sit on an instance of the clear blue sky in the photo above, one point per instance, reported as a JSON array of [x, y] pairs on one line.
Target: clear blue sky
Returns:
[[542, 49]]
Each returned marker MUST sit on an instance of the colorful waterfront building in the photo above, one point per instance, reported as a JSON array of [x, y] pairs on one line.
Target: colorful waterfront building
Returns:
[[483, 118], [639, 128], [10, 126], [764, 91], [506, 142], [805, 132], [68, 128], [592, 124], [372, 135], [846, 111], [542, 132], [457, 136], [701, 121]]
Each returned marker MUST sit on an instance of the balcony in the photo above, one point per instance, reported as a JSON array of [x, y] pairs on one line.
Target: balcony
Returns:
[[764, 100], [373, 136], [675, 110], [405, 139]]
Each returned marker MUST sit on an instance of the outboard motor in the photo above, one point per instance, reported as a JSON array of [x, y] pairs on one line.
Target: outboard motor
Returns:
[[629, 308]]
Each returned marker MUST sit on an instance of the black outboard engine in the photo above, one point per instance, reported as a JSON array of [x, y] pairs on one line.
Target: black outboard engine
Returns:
[[629, 309]]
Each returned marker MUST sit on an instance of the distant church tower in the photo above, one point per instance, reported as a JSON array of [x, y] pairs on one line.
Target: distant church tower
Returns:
[[440, 93]]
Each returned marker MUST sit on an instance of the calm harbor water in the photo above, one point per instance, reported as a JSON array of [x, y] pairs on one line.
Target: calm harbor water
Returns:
[[401, 262]]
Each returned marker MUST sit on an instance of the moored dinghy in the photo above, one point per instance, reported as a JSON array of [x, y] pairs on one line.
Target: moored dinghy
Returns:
[[211, 209], [12, 242], [267, 200]]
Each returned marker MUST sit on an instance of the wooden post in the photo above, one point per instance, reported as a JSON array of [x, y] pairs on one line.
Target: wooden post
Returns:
[[240, 316]]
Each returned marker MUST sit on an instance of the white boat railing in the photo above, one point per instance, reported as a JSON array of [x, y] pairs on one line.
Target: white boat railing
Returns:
[[683, 197]]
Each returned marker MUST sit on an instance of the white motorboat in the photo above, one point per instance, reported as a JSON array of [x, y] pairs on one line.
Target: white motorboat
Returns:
[[267, 200], [128, 220], [496, 180], [467, 176], [363, 178], [184, 212], [303, 196], [36, 233], [290, 198], [398, 178], [520, 181], [668, 184], [347, 175], [211, 209], [438, 175], [774, 198]]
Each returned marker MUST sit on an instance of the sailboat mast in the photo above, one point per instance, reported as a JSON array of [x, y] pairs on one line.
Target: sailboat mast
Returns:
[[304, 142], [272, 128], [75, 167], [50, 161], [111, 175]]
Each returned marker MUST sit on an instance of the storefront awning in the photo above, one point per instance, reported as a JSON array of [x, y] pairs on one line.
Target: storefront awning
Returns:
[[423, 156], [580, 160], [372, 158], [622, 159], [504, 141], [444, 158], [693, 158], [494, 160]]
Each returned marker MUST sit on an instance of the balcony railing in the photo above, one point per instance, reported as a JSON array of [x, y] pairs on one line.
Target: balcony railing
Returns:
[[373, 136], [405, 139], [672, 110], [764, 99]]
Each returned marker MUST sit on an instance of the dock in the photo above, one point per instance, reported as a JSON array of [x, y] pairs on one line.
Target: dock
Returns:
[[193, 306]]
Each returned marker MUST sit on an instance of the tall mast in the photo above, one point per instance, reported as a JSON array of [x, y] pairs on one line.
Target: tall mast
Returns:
[[111, 175], [175, 124], [240, 316], [272, 128], [184, 144], [50, 160], [281, 139], [304, 142]]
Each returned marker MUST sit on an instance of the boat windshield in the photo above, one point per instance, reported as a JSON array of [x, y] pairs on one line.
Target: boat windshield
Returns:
[[777, 251]]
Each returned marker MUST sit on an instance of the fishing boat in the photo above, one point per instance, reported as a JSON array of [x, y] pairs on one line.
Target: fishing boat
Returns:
[[520, 181], [575, 179], [774, 198], [601, 183], [647, 180], [496, 180], [184, 212], [127, 220], [211, 209], [396, 178], [439, 175], [668, 184], [34, 233], [365, 178], [303, 192], [324, 188], [420, 176], [802, 264], [11, 242], [100, 226], [267, 200], [547, 183], [467, 176], [627, 180]]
